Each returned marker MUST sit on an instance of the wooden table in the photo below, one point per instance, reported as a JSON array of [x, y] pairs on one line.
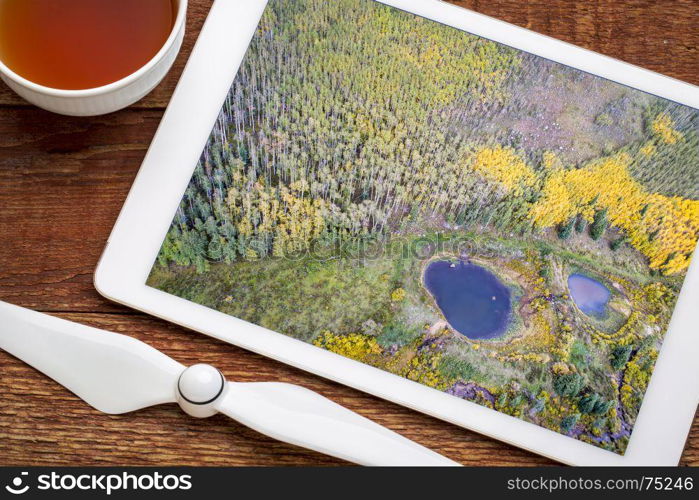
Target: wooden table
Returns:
[[62, 183]]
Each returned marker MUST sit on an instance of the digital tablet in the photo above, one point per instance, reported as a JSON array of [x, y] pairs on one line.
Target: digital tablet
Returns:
[[441, 209]]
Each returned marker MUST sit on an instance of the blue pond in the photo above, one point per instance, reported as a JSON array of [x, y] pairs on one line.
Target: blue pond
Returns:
[[589, 295], [473, 300]]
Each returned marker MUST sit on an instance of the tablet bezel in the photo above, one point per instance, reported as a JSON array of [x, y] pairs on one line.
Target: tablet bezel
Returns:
[[669, 405]]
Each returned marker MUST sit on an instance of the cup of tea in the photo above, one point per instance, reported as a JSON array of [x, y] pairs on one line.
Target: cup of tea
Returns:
[[88, 57]]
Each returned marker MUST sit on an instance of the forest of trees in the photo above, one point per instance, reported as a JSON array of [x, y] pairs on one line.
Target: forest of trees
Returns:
[[340, 129]]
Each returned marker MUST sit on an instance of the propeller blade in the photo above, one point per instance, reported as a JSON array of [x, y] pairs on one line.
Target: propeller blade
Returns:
[[296, 415], [111, 372], [118, 374]]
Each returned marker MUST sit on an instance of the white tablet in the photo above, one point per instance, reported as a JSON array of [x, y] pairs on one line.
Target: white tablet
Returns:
[[437, 208]]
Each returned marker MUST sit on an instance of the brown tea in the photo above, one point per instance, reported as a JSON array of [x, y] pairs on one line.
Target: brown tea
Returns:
[[81, 44]]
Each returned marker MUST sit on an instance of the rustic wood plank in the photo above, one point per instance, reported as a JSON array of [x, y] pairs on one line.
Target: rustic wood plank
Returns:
[[62, 183]]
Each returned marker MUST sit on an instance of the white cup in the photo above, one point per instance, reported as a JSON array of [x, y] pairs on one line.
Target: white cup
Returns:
[[110, 97]]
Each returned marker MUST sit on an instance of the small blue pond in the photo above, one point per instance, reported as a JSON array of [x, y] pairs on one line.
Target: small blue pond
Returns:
[[473, 300], [589, 295]]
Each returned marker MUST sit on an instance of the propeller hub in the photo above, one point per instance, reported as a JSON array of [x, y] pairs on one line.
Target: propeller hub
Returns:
[[198, 388]]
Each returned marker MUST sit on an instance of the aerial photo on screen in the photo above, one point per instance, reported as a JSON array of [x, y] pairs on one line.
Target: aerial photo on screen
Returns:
[[488, 223]]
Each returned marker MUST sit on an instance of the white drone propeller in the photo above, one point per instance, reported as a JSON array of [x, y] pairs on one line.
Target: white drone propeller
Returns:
[[118, 374]]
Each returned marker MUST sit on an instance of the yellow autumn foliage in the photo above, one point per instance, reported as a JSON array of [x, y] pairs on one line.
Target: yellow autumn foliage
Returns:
[[282, 213], [649, 149], [664, 127], [504, 167], [551, 161], [398, 295], [423, 368], [560, 368], [663, 228], [353, 345]]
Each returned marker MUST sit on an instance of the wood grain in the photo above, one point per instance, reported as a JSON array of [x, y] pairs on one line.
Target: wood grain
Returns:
[[62, 183]]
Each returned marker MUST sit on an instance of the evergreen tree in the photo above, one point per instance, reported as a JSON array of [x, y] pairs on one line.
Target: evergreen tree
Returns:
[[620, 356], [599, 224], [567, 423], [569, 384], [594, 404], [565, 230], [616, 244], [587, 403], [580, 224]]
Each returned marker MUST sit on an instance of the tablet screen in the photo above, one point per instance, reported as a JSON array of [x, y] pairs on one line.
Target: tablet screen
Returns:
[[505, 229]]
